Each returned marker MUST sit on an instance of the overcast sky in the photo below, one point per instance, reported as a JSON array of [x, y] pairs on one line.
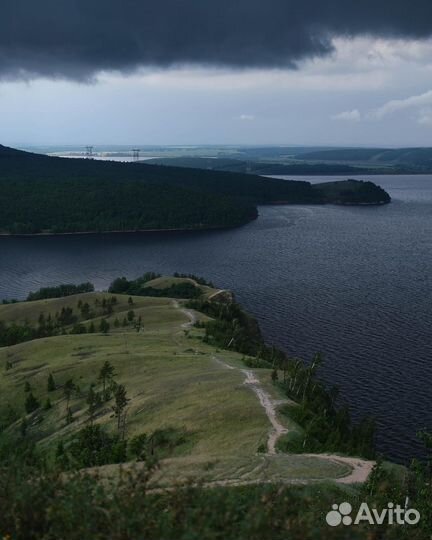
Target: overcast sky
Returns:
[[204, 72]]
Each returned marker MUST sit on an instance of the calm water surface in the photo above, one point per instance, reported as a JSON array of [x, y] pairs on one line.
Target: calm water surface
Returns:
[[352, 282]]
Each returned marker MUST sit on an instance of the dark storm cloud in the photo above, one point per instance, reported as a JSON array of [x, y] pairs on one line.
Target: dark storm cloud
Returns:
[[78, 38]]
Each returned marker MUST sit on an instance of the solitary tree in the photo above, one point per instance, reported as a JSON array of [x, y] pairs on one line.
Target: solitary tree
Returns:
[[47, 405], [68, 389], [92, 403], [85, 311], [121, 400], [31, 403], [23, 427], [69, 417], [104, 326], [106, 376], [51, 385]]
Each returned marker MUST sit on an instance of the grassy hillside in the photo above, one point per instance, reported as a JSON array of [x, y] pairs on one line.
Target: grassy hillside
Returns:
[[178, 385], [209, 417]]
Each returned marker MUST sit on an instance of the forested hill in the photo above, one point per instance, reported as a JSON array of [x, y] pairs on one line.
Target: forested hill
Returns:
[[46, 194]]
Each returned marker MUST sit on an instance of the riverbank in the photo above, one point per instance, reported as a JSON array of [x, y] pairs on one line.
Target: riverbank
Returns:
[[128, 231]]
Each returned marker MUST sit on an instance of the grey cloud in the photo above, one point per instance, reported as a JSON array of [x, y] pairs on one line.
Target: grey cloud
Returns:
[[77, 38]]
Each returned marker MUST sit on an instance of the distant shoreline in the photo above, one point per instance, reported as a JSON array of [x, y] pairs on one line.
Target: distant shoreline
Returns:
[[183, 229], [129, 231]]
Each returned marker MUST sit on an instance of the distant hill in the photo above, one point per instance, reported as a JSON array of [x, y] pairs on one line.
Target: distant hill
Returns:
[[261, 167], [42, 194], [412, 157]]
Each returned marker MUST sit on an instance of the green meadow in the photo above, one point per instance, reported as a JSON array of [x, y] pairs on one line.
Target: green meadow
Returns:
[[174, 381]]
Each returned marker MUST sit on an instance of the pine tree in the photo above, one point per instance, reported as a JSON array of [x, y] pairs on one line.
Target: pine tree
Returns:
[[51, 385], [92, 404], [68, 389], [61, 456], [31, 403], [85, 311], [106, 375], [121, 400], [104, 326], [23, 427], [69, 416]]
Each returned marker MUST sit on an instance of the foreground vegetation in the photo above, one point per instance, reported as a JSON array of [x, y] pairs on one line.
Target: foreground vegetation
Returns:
[[126, 397], [40, 502]]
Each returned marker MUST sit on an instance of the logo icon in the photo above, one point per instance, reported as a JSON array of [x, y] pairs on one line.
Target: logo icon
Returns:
[[339, 514]]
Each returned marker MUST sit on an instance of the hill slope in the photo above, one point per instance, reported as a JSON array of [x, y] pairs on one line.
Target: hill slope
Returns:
[[417, 159], [260, 167], [209, 414]]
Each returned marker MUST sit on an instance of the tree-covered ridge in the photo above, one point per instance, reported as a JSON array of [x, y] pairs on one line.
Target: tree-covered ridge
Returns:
[[98, 205], [261, 167], [184, 288], [41, 194], [352, 192], [60, 291]]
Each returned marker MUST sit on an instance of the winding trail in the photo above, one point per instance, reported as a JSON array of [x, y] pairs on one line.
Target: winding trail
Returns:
[[190, 314], [217, 293], [268, 404], [361, 468]]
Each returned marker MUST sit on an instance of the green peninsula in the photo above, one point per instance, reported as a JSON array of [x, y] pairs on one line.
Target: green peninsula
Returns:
[[47, 195]]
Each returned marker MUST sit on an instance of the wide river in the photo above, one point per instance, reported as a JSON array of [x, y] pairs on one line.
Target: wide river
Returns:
[[352, 282]]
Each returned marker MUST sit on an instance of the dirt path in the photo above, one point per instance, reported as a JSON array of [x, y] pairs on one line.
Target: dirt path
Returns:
[[190, 314], [360, 468], [213, 295], [269, 406]]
